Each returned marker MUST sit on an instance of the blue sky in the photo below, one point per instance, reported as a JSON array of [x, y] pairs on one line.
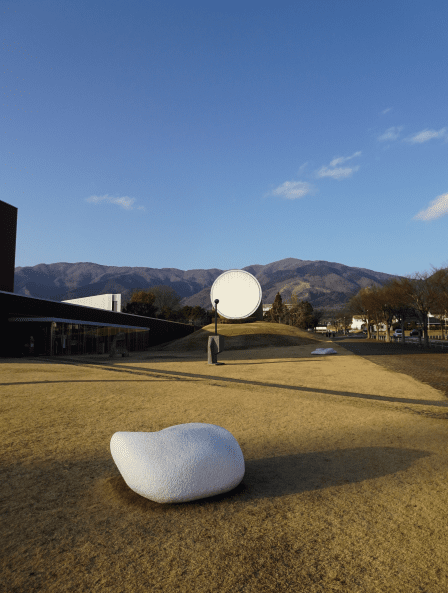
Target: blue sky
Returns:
[[221, 135]]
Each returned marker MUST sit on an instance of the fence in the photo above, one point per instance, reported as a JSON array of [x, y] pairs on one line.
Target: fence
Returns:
[[434, 341]]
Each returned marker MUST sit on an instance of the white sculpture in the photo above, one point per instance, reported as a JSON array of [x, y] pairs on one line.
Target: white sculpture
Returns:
[[324, 351], [180, 463]]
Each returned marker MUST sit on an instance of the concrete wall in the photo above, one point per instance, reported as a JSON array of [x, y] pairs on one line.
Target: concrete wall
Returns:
[[100, 301]]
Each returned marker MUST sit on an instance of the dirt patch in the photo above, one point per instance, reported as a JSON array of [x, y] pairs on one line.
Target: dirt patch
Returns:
[[345, 485]]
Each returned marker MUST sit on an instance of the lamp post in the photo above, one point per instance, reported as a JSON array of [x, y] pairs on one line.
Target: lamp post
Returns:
[[387, 323], [216, 316]]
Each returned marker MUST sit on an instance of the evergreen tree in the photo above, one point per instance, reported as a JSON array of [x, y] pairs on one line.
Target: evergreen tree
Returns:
[[304, 315], [278, 309]]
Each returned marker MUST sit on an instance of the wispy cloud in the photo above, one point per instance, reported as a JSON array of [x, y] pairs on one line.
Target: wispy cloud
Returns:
[[426, 135], [342, 159], [292, 190], [302, 168], [125, 202], [436, 209], [390, 134], [386, 111], [339, 172]]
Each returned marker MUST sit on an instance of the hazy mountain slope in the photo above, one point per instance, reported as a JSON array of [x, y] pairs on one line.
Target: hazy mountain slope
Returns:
[[322, 283]]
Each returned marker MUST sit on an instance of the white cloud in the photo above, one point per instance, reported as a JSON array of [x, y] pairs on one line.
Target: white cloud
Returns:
[[426, 135], [386, 110], [437, 208], [391, 133], [339, 173], [125, 202], [302, 168], [342, 159], [292, 190]]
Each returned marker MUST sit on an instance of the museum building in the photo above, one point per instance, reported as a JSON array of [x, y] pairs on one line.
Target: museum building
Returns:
[[32, 326]]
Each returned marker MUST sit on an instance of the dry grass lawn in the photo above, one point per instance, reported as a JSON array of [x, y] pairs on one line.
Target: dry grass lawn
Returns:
[[345, 486]]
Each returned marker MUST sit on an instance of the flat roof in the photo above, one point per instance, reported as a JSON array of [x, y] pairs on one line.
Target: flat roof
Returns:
[[75, 322]]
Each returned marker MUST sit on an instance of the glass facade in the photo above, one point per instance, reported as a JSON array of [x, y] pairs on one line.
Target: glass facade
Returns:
[[56, 337]]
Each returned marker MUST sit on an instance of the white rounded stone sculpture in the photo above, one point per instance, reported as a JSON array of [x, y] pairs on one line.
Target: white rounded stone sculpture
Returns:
[[180, 463], [324, 351]]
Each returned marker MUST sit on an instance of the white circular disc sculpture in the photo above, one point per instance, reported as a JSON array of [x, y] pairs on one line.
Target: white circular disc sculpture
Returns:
[[238, 292]]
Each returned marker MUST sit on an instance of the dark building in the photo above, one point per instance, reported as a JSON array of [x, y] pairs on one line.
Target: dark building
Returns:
[[8, 231], [33, 327]]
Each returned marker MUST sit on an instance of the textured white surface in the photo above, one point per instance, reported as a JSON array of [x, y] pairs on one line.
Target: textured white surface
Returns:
[[238, 292], [100, 301], [324, 351], [180, 463]]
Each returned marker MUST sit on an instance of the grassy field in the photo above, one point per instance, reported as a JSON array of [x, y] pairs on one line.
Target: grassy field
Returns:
[[345, 486]]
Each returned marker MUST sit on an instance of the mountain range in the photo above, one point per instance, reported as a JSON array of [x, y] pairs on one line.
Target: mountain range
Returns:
[[324, 284]]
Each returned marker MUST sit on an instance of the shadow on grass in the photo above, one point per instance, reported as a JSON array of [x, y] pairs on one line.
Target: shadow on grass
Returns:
[[179, 375], [84, 488], [290, 474]]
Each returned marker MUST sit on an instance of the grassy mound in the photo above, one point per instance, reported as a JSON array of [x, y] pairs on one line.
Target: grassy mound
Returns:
[[260, 334]]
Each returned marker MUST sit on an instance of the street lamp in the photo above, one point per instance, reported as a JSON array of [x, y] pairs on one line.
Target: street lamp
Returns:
[[216, 316]]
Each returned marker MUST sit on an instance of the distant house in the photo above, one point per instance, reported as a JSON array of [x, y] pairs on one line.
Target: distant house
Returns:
[[358, 323]]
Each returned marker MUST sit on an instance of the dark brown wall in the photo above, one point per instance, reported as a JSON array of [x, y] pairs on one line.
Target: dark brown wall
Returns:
[[8, 230]]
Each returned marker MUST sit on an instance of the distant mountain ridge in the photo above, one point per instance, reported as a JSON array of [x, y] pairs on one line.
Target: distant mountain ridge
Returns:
[[324, 284]]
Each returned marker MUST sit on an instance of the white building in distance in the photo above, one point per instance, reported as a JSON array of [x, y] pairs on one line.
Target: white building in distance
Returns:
[[110, 302]]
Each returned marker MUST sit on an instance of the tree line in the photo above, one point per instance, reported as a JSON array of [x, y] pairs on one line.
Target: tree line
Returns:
[[162, 302], [408, 299], [300, 314]]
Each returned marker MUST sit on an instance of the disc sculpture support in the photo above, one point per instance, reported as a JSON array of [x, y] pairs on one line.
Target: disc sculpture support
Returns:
[[240, 296]]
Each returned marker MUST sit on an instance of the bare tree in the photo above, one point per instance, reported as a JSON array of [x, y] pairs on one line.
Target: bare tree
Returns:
[[399, 301], [341, 318], [440, 278], [422, 294], [165, 298], [156, 301], [367, 304], [141, 303], [384, 299], [356, 307]]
